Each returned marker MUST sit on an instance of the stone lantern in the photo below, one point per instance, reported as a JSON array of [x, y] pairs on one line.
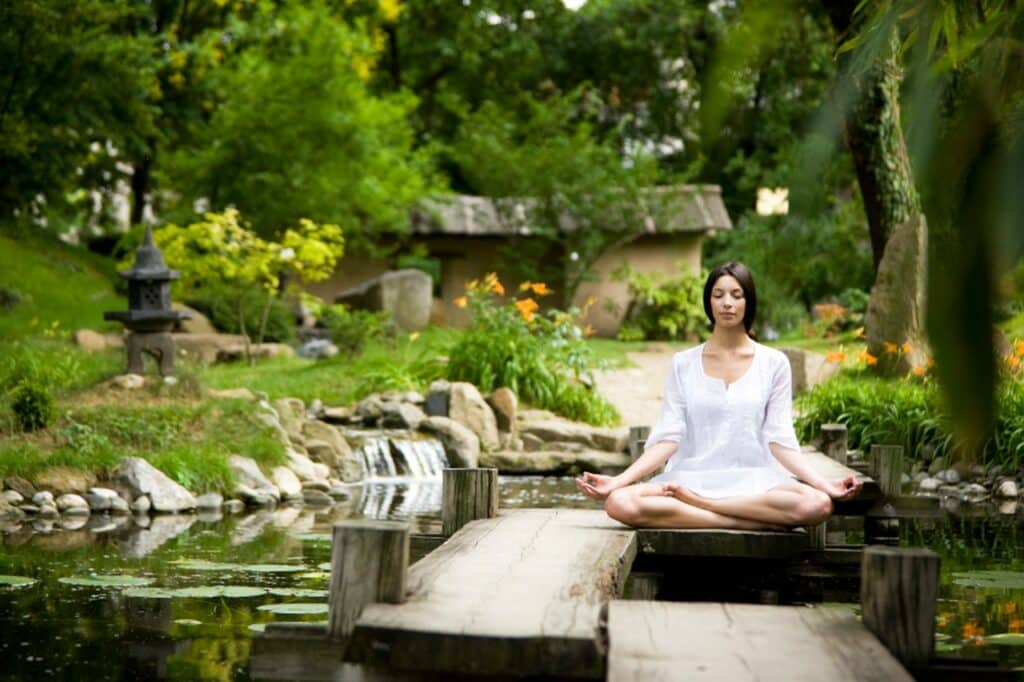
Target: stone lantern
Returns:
[[149, 316]]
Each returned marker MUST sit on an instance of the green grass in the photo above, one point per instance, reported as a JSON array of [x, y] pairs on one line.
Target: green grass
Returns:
[[189, 441], [1013, 327], [61, 288]]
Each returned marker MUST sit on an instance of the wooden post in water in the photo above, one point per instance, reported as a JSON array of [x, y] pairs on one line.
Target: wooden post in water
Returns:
[[369, 561], [467, 495], [834, 442], [887, 468], [898, 592], [637, 438]]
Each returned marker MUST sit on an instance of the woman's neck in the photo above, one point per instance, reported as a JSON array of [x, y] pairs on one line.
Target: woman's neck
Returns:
[[732, 338]]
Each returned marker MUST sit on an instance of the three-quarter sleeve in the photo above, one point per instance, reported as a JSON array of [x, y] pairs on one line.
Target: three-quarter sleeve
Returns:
[[672, 423], [778, 418]]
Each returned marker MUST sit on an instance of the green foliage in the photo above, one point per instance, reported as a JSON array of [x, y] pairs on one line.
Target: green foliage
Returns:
[[544, 158], [352, 330], [910, 414], [664, 309], [32, 405], [221, 307], [543, 358], [296, 132]]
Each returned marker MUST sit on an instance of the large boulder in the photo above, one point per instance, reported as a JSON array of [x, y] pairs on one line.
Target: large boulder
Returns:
[[555, 430], [326, 444], [555, 462], [142, 478], [504, 403], [251, 484], [396, 415], [460, 444], [896, 309], [292, 413], [808, 368], [60, 480], [196, 323], [407, 294], [287, 482], [468, 407], [436, 402]]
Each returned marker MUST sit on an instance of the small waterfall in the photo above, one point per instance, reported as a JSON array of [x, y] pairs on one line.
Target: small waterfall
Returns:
[[399, 455]]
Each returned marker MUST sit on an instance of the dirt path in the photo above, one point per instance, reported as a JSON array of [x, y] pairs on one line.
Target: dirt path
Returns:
[[637, 391]]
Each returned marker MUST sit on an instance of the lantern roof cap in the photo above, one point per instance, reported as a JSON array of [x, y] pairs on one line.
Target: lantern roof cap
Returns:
[[149, 262]]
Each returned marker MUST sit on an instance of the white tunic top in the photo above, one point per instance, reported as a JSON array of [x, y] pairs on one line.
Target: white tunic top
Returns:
[[723, 432]]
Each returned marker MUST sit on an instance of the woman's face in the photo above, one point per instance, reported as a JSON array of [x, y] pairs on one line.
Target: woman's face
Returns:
[[727, 302]]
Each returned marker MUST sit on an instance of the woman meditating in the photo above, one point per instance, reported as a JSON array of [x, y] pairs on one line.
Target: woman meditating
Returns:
[[725, 435]]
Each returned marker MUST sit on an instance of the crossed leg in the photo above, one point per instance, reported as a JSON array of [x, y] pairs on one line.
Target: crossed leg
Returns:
[[646, 505]]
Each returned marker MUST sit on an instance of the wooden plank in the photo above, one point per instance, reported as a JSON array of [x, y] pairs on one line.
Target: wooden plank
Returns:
[[721, 543], [651, 641], [519, 594], [832, 469]]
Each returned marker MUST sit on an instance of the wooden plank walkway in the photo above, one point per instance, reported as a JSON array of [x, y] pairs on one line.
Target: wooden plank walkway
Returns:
[[650, 641], [520, 592]]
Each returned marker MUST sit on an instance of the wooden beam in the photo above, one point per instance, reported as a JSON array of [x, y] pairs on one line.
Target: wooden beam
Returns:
[[887, 468], [721, 543]]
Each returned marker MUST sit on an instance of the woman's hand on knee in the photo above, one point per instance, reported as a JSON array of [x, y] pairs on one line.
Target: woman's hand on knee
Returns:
[[597, 486], [844, 488]]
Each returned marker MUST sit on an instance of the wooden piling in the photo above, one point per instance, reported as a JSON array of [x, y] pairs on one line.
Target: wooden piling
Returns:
[[468, 494], [369, 561], [834, 442], [887, 468], [637, 437], [898, 593]]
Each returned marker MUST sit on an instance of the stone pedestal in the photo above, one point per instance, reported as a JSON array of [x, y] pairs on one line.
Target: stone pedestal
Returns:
[[158, 345]]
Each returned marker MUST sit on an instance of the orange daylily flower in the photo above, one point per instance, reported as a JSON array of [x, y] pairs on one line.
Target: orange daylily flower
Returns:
[[890, 347], [497, 288], [867, 358], [523, 286], [919, 371], [461, 301], [526, 308], [1015, 625], [906, 348], [1013, 361], [540, 289], [930, 363], [588, 330], [1018, 347], [835, 356]]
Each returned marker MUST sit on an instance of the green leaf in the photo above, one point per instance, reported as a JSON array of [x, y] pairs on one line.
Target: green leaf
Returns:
[[16, 581], [105, 581], [299, 609]]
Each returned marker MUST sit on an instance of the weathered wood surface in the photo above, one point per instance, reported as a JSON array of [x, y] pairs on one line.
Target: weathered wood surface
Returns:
[[518, 594], [886, 466], [834, 440], [898, 594], [722, 543], [831, 469], [651, 641]]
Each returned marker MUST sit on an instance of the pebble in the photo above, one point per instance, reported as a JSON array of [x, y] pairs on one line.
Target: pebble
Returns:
[[320, 485], [975, 490], [13, 497], [930, 485], [141, 505], [209, 501], [43, 497], [29, 508], [234, 507], [119, 505], [1008, 489], [948, 475], [104, 492], [317, 498], [48, 511], [98, 502], [340, 493], [69, 501]]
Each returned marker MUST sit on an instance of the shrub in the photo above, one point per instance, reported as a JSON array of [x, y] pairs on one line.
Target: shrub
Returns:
[[221, 306], [542, 357], [911, 414], [663, 309], [32, 405], [352, 330]]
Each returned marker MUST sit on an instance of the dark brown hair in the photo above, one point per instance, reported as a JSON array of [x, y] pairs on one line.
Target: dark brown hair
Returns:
[[741, 273]]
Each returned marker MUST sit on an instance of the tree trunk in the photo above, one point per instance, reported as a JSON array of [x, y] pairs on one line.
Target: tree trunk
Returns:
[[140, 182], [874, 137]]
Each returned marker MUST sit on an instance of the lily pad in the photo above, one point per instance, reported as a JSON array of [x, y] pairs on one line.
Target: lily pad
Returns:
[[1010, 580], [1006, 639], [188, 621], [218, 591], [946, 647], [294, 609], [315, 575], [258, 627], [105, 581], [325, 566], [302, 592], [16, 581], [273, 568], [314, 537], [148, 592], [203, 565]]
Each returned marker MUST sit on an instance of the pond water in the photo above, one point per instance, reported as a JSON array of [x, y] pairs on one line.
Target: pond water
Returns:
[[226, 577]]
